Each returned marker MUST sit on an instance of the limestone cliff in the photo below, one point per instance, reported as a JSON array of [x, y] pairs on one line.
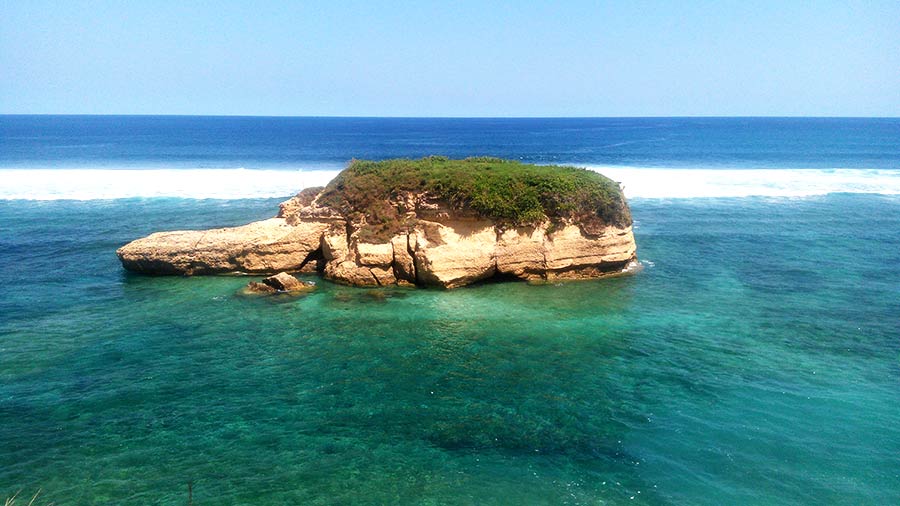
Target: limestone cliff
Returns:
[[430, 241]]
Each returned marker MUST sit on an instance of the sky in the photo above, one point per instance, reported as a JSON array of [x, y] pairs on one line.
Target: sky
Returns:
[[453, 58]]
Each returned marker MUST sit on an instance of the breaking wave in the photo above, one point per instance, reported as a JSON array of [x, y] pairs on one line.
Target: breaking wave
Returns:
[[99, 184], [651, 183], [654, 183]]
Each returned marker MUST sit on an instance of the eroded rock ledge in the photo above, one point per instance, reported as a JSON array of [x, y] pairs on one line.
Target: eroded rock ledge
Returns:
[[437, 244]]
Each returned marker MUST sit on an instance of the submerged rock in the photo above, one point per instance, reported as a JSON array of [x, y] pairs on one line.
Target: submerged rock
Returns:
[[257, 287], [408, 235]]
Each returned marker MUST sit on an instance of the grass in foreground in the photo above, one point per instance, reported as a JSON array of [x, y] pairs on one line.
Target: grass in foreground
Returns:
[[508, 192], [12, 501]]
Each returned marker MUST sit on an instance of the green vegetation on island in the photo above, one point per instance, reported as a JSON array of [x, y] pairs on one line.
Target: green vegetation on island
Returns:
[[509, 192]]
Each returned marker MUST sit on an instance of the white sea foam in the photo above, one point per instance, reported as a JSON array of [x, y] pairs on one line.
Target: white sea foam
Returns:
[[95, 184], [653, 183], [656, 183]]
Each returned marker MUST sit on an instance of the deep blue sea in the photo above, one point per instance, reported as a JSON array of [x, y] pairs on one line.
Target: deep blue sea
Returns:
[[754, 361]]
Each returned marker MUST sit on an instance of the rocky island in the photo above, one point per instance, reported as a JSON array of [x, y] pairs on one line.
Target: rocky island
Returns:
[[428, 222]]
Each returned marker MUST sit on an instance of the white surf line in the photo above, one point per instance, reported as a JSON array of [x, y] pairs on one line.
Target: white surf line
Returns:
[[703, 183], [96, 184], [237, 183]]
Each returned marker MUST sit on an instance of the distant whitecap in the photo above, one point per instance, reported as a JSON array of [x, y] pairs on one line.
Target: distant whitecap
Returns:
[[96, 184], [656, 183], [238, 183]]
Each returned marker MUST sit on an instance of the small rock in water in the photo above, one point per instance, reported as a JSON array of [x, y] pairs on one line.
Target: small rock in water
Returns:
[[281, 282]]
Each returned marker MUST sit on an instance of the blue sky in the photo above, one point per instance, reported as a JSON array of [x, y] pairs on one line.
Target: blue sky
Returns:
[[460, 58]]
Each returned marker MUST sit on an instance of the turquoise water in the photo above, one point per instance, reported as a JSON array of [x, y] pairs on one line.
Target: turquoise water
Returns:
[[755, 360]]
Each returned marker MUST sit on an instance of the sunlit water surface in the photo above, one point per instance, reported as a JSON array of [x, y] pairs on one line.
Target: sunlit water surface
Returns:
[[753, 361]]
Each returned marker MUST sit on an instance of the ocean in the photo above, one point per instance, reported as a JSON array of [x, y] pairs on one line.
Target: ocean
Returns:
[[755, 359]]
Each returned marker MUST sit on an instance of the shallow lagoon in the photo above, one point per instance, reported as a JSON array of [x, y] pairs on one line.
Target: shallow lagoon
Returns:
[[753, 361]]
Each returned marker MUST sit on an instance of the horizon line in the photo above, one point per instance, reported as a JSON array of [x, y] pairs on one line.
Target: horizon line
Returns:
[[442, 117]]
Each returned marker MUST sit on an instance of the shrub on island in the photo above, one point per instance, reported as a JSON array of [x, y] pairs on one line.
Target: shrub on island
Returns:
[[508, 192]]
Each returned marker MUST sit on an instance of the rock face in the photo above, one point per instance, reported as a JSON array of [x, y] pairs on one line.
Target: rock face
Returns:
[[446, 250], [264, 247], [429, 243]]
